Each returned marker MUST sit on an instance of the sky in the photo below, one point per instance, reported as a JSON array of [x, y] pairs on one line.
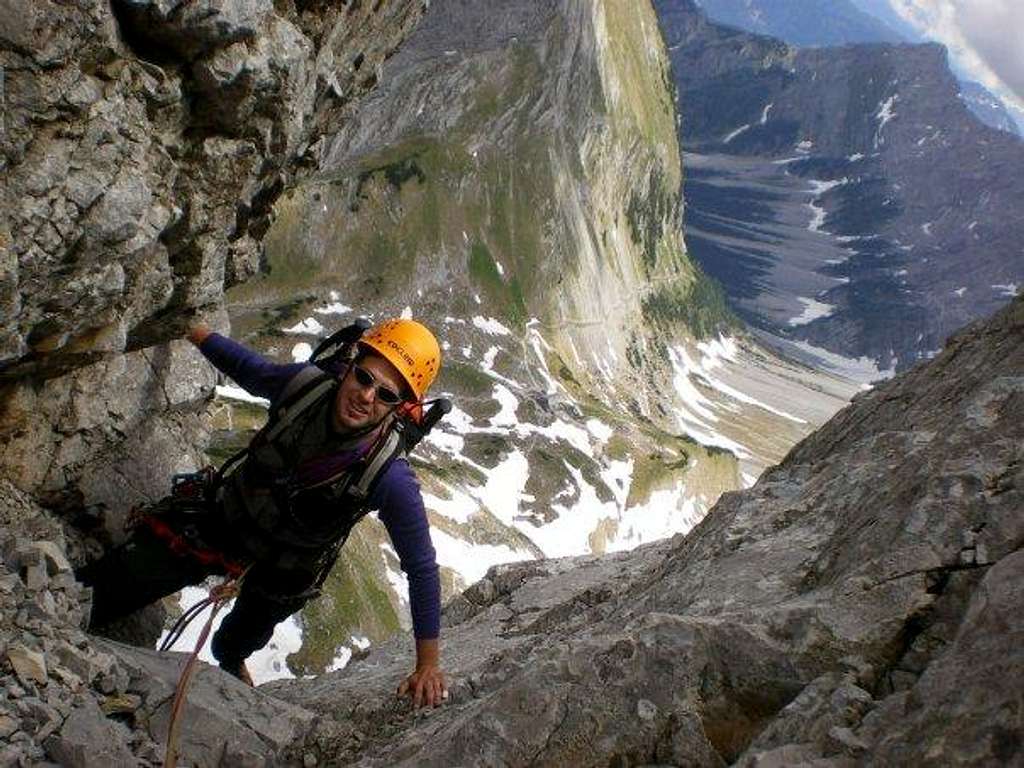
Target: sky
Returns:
[[986, 37]]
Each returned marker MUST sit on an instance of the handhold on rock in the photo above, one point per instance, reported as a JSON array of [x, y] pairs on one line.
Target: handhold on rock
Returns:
[[122, 703], [29, 665]]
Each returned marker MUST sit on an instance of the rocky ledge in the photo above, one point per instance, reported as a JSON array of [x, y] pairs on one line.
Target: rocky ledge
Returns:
[[861, 605]]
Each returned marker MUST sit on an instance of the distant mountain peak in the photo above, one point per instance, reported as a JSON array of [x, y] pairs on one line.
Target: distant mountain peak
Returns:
[[803, 22]]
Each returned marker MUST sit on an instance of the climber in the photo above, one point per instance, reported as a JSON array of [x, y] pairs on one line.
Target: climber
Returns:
[[280, 510]]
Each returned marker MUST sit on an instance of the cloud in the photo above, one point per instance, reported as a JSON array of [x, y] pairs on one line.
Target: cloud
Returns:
[[984, 36]]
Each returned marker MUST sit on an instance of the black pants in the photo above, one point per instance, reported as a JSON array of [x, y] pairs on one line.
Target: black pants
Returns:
[[144, 569]]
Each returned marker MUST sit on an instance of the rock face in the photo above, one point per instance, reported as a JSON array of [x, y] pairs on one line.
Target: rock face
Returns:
[[841, 192], [143, 145], [860, 605], [517, 163]]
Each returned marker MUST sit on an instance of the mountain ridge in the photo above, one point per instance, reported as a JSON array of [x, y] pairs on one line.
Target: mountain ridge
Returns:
[[847, 153], [829, 24]]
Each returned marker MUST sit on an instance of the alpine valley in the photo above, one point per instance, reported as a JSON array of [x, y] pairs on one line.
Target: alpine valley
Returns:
[[845, 197]]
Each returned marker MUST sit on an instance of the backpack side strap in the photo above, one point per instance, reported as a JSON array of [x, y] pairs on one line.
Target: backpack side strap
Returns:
[[390, 448]]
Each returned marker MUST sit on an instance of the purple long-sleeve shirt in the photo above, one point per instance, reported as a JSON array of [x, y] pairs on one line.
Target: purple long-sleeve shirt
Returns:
[[396, 496]]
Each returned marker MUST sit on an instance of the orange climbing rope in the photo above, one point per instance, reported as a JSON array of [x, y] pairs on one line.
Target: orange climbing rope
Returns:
[[219, 595]]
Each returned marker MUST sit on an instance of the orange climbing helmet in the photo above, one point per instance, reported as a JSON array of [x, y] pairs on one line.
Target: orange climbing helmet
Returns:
[[410, 347]]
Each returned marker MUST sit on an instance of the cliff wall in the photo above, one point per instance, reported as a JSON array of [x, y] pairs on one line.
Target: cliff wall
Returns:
[[142, 148]]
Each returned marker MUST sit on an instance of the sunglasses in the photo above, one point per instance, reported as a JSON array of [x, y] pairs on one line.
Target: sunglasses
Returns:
[[384, 393]]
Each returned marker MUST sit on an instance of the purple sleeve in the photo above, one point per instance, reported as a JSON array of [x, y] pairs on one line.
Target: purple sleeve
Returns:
[[251, 371], [401, 510]]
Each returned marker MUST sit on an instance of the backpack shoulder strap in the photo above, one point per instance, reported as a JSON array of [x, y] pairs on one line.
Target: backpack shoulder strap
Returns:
[[303, 390], [392, 446]]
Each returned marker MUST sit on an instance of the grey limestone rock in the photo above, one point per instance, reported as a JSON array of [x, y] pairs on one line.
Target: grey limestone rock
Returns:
[[28, 664], [222, 715], [88, 738]]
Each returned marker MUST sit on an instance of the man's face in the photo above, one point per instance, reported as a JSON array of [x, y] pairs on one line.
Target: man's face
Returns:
[[358, 405]]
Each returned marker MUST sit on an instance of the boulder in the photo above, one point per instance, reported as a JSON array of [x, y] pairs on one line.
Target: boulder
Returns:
[[88, 739]]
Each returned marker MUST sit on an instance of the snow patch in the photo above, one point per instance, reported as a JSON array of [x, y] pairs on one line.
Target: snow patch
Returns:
[[601, 431], [460, 507], [491, 326], [813, 310], [471, 560], [539, 346], [310, 326], [509, 403], [863, 369], [736, 133], [341, 660], [695, 412], [231, 392], [301, 352], [884, 115], [819, 188], [335, 308], [1008, 290]]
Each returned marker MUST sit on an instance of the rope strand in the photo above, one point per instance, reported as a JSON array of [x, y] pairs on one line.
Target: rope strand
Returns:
[[219, 595]]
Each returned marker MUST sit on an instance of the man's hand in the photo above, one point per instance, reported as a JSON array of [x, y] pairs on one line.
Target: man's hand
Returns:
[[426, 687], [197, 333]]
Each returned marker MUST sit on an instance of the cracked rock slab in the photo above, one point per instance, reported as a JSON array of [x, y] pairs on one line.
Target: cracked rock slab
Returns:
[[222, 717]]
